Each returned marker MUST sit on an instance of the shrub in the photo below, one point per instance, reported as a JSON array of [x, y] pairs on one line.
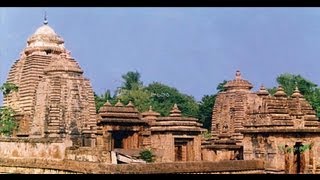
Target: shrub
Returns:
[[147, 155]]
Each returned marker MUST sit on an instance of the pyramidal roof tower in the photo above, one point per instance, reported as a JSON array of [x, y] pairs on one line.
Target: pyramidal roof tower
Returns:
[[54, 98]]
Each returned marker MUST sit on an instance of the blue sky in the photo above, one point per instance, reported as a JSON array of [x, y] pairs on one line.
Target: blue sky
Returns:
[[192, 49]]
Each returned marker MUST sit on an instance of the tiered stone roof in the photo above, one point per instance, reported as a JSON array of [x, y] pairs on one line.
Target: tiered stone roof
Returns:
[[62, 63], [150, 115], [238, 83], [175, 122], [280, 92], [120, 113], [281, 111], [263, 91]]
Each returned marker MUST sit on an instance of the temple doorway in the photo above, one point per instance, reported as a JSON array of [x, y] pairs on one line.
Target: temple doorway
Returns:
[[183, 149], [298, 160]]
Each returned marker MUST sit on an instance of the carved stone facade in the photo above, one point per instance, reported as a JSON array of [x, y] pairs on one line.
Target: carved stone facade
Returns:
[[175, 138], [54, 99], [124, 130], [281, 130]]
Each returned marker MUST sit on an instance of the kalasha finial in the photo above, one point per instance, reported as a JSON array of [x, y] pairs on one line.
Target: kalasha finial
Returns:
[[238, 74], [45, 22]]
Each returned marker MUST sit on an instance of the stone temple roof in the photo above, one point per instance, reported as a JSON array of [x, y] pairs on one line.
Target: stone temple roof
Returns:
[[44, 39], [175, 122], [45, 29], [63, 64], [262, 91], [119, 113], [280, 92], [282, 111], [238, 84], [150, 114]]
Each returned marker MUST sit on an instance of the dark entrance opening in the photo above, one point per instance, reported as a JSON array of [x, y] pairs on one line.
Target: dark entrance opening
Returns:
[[120, 139], [297, 157]]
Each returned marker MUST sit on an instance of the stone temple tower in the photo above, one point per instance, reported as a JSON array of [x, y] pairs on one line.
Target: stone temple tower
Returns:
[[54, 98], [229, 111]]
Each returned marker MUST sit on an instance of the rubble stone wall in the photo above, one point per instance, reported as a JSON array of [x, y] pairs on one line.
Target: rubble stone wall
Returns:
[[48, 166], [41, 148]]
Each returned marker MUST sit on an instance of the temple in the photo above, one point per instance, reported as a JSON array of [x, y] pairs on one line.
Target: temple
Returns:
[[255, 125], [58, 125], [54, 98]]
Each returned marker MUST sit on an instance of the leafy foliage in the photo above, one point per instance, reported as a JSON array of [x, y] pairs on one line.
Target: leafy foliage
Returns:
[[163, 97], [221, 87], [147, 155], [131, 80], [303, 148], [100, 100], [285, 149], [8, 87], [139, 97], [207, 134], [7, 121], [205, 110]]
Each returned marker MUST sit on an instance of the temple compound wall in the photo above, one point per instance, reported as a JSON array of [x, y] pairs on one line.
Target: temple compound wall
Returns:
[[79, 167]]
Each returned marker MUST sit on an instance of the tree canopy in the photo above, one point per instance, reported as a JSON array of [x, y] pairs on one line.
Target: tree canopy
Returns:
[[7, 120], [163, 97], [131, 80], [8, 87]]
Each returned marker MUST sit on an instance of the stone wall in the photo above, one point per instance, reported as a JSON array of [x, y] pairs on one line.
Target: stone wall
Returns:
[[49, 166], [197, 148], [163, 144], [270, 148], [88, 154], [216, 155], [26, 148]]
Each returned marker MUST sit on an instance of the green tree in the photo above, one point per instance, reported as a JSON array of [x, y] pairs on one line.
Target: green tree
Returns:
[[139, 97], [163, 98], [131, 80], [7, 121], [8, 87], [221, 87], [100, 100], [205, 110]]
